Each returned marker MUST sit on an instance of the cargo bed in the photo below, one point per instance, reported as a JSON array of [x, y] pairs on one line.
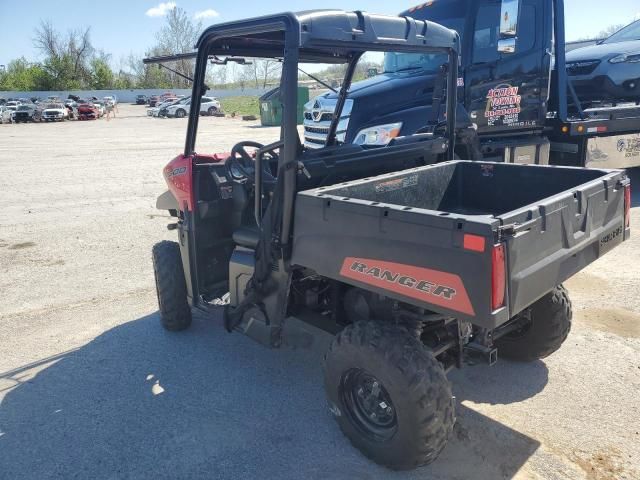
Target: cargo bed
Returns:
[[441, 236]]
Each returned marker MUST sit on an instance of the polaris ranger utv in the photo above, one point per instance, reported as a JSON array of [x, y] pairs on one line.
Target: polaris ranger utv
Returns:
[[406, 274], [517, 99]]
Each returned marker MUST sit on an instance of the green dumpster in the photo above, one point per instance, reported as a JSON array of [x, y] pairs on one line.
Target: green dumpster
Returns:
[[271, 106]]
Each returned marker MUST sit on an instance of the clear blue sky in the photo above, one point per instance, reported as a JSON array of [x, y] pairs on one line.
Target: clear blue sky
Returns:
[[123, 26]]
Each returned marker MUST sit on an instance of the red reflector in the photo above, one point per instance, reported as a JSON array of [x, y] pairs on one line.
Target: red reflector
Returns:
[[627, 206], [497, 277], [473, 242]]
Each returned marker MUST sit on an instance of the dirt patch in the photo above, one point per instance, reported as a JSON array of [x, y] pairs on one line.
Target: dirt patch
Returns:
[[20, 246], [603, 465], [588, 282], [618, 321]]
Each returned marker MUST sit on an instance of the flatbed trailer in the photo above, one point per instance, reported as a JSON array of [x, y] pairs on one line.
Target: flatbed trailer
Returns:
[[607, 137]]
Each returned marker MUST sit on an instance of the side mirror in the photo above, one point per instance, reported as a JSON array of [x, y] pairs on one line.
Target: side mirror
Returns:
[[507, 45], [509, 18]]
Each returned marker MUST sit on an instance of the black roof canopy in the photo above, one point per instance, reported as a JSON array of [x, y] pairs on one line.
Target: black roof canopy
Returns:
[[325, 35]]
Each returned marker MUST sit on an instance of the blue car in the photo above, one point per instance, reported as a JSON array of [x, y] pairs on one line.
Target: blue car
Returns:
[[609, 70]]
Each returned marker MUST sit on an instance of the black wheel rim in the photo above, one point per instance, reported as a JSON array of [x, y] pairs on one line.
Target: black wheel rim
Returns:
[[368, 404]]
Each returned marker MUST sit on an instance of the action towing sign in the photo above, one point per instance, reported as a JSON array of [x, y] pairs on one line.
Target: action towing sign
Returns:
[[503, 106]]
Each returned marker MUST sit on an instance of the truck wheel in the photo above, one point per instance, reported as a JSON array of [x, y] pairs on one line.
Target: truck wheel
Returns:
[[389, 395], [547, 329], [171, 287]]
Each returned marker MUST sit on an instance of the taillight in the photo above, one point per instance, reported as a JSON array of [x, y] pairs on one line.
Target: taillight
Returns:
[[498, 277], [627, 206]]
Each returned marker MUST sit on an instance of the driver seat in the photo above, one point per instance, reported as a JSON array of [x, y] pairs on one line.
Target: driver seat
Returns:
[[247, 237]]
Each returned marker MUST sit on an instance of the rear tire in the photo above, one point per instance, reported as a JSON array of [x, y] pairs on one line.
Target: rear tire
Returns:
[[180, 113], [389, 395], [547, 330], [171, 286]]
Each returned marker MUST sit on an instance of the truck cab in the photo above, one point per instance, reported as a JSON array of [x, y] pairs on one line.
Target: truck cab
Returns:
[[502, 92], [509, 98]]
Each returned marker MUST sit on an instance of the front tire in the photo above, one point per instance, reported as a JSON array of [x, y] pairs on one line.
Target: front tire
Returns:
[[545, 332], [389, 395], [171, 287], [212, 111]]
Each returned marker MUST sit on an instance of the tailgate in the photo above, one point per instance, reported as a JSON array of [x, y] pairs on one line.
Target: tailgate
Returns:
[[550, 241]]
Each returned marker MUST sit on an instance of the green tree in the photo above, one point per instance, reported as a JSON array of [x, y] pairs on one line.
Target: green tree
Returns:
[[124, 81], [102, 78], [67, 59], [21, 75], [61, 73]]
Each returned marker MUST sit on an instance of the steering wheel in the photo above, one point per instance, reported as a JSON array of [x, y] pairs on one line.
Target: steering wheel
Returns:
[[240, 160]]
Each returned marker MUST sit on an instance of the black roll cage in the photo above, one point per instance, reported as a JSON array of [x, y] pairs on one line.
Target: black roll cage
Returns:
[[320, 36]]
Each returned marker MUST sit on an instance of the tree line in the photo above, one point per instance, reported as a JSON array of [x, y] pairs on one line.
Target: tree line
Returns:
[[71, 61]]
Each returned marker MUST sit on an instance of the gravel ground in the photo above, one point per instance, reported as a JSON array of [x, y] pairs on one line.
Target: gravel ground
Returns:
[[92, 387]]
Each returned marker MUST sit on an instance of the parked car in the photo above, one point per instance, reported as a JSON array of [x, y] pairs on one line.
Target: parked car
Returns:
[[178, 108], [101, 107], [87, 110], [13, 103], [161, 109], [26, 113], [609, 69], [154, 100], [154, 111], [55, 112], [210, 106], [6, 113], [72, 110], [141, 99]]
